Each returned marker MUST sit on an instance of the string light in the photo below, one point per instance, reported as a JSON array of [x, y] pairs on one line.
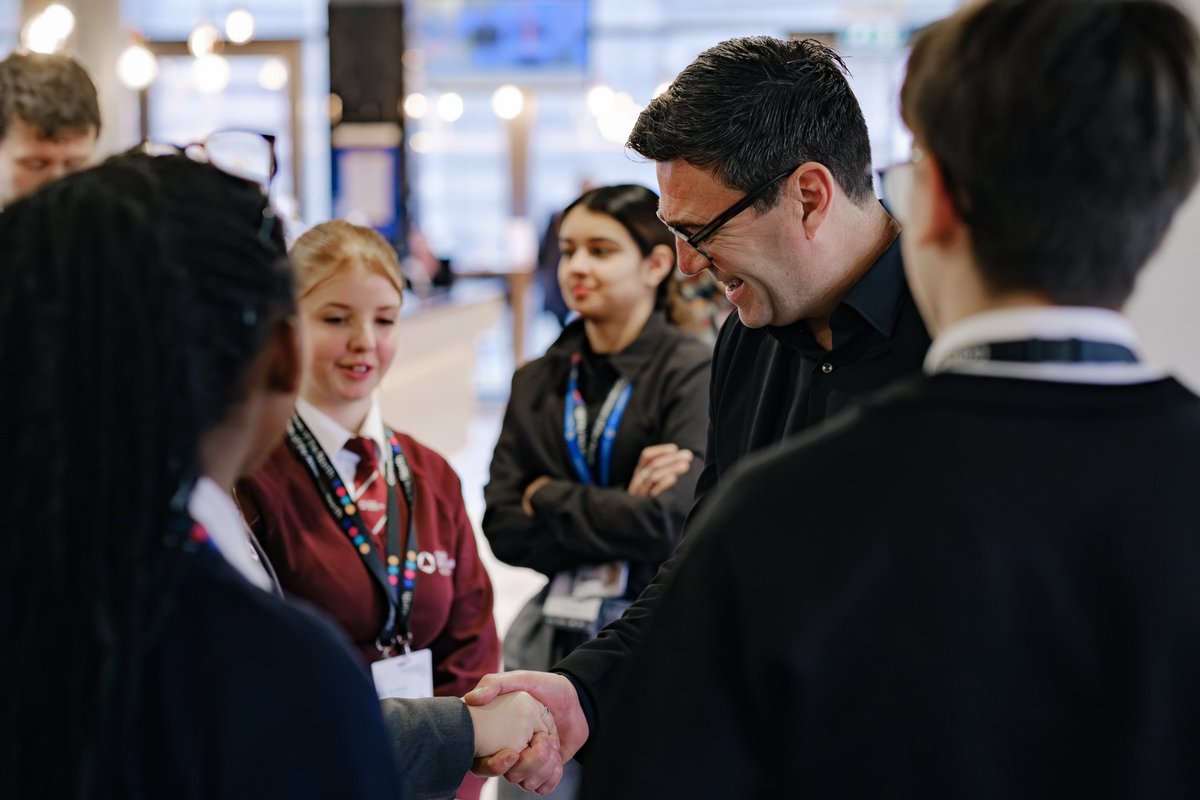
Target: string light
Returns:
[[137, 67], [450, 107], [239, 26], [508, 101]]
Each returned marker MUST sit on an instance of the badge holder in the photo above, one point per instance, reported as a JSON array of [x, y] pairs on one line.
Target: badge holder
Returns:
[[407, 674], [577, 596]]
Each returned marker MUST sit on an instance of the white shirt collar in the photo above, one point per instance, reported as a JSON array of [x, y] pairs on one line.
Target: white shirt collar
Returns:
[[332, 437], [1041, 322], [215, 510]]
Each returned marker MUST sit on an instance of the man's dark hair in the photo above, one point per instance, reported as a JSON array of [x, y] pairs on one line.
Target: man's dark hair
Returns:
[[153, 288], [1068, 133], [748, 109], [49, 92]]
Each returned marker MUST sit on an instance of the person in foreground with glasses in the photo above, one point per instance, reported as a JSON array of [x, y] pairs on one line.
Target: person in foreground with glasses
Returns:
[[764, 166], [1014, 611], [154, 329]]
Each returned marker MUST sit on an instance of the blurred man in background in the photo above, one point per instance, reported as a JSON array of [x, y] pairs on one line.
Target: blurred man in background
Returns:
[[49, 121]]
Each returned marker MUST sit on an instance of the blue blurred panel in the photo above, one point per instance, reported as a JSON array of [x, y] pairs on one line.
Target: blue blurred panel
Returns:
[[520, 37]]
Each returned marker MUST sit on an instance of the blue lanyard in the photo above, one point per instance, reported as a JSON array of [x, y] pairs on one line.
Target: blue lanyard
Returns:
[[604, 432]]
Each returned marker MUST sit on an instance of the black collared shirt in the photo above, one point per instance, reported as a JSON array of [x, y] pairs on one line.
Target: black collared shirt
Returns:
[[771, 382]]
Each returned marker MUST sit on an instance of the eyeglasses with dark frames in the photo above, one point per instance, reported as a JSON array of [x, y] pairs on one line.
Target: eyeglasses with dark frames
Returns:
[[694, 240], [249, 155]]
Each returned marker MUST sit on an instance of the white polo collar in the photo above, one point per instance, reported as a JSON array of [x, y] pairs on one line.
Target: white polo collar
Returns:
[[1041, 322], [215, 511], [333, 437]]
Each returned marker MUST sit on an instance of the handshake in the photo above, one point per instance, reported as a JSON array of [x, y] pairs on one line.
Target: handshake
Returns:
[[527, 725]]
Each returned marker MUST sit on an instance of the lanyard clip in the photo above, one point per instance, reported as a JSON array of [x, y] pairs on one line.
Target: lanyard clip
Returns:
[[397, 646]]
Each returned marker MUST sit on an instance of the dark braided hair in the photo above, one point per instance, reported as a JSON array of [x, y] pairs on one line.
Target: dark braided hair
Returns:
[[133, 297]]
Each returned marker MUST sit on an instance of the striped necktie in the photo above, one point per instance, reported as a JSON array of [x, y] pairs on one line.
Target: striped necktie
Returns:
[[370, 488]]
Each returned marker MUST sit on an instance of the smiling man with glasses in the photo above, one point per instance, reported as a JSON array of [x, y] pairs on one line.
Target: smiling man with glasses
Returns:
[[764, 166]]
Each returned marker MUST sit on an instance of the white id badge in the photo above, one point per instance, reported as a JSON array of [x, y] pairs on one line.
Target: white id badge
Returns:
[[405, 675]]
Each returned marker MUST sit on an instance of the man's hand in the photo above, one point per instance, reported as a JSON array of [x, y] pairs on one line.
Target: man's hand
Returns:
[[539, 767], [659, 467]]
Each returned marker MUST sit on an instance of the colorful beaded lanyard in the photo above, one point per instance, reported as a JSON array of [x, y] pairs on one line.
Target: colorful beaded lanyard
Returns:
[[398, 587]]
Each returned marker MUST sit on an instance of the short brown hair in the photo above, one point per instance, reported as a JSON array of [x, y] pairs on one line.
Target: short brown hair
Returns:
[[52, 93], [1068, 132], [326, 249]]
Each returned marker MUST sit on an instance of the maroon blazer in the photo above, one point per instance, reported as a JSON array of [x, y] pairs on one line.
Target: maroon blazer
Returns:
[[452, 602]]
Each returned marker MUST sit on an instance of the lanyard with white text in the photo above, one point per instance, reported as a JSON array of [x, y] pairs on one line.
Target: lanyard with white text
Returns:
[[604, 432], [398, 585]]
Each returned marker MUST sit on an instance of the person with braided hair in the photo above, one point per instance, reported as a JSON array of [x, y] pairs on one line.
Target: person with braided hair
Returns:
[[148, 326], [149, 311]]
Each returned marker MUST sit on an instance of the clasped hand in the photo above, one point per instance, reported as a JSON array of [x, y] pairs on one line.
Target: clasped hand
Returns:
[[510, 725], [537, 767]]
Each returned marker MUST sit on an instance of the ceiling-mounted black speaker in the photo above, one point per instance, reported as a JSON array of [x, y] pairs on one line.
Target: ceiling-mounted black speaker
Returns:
[[366, 50]]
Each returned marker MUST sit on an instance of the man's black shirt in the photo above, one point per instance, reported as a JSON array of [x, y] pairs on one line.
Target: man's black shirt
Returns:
[[771, 382]]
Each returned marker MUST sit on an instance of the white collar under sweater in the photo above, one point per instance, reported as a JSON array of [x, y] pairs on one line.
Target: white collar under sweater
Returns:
[[333, 437], [216, 512], [1041, 322]]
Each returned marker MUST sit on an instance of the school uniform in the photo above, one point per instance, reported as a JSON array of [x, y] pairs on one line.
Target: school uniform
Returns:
[[245, 695], [432, 739], [451, 612], [993, 591]]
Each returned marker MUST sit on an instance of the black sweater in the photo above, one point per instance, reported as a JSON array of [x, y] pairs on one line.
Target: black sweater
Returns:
[[768, 384], [988, 588]]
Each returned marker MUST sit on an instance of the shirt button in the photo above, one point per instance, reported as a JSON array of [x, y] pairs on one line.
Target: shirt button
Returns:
[[827, 368]]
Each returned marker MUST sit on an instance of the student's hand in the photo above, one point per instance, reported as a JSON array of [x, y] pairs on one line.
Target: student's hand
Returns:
[[659, 467], [540, 766], [509, 723], [530, 490]]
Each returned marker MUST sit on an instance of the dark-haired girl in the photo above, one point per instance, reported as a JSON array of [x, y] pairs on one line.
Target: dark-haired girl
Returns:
[[603, 438]]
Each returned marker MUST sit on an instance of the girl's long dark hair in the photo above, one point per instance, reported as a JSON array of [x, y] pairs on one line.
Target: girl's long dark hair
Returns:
[[133, 296]]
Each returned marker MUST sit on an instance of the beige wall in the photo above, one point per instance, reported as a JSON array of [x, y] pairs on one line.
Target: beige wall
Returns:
[[1166, 306]]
